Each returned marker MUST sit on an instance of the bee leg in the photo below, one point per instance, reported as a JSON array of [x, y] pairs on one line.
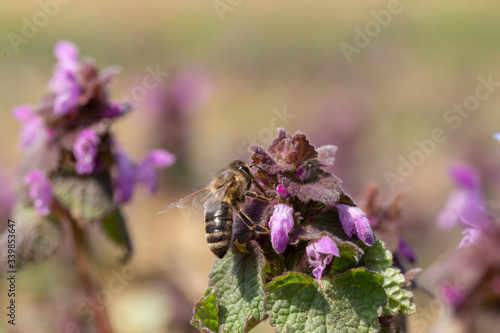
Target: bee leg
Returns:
[[257, 196], [256, 183], [252, 226]]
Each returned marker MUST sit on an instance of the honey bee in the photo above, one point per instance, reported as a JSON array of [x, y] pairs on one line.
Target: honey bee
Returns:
[[225, 194]]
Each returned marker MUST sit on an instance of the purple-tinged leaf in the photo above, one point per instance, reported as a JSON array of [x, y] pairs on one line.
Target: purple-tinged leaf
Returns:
[[323, 187], [326, 155]]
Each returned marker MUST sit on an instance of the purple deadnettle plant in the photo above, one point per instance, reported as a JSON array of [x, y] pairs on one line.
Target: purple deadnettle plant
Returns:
[[73, 170], [470, 278], [320, 266]]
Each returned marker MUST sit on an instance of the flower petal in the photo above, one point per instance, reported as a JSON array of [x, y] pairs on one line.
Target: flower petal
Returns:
[[32, 130], [85, 151], [471, 235], [40, 191], [283, 193], [23, 112], [326, 246], [450, 294], [465, 175], [146, 172], [354, 221], [124, 179], [159, 158], [66, 51], [406, 251], [281, 223], [320, 253], [448, 216], [67, 89]]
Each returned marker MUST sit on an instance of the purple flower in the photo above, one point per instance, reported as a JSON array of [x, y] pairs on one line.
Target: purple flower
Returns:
[[128, 173], [467, 203], [125, 177], [67, 91], [115, 110], [85, 150], [450, 294], [146, 172], [283, 193], [471, 235], [497, 136], [40, 191], [281, 223], [354, 221], [189, 89], [33, 128], [406, 251], [64, 82], [320, 253], [66, 54], [301, 174]]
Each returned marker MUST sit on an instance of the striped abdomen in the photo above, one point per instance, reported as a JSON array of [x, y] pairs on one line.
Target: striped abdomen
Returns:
[[218, 228]]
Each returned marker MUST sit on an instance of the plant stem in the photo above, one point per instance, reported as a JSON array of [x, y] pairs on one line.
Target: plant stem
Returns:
[[90, 285]]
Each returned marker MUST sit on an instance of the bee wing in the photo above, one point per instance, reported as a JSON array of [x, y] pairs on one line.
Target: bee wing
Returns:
[[193, 200], [215, 198]]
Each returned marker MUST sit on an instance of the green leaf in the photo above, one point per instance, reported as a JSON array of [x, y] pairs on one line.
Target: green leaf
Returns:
[[350, 255], [88, 198], [350, 302], [206, 314], [399, 298], [37, 238], [239, 289], [115, 228]]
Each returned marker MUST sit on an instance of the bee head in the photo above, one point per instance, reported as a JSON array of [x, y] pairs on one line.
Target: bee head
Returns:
[[241, 166]]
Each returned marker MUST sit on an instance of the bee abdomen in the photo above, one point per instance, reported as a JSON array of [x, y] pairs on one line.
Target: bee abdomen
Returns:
[[218, 228]]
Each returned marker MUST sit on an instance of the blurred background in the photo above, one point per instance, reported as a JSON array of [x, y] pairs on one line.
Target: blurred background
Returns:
[[373, 78]]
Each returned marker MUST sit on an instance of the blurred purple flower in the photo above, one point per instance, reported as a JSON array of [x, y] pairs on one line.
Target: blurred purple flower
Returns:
[[406, 251], [66, 54], [125, 177], [497, 136], [146, 172], [189, 89], [7, 198], [40, 191], [450, 294], [33, 128], [85, 150], [467, 203], [471, 235], [320, 253], [65, 80], [117, 109], [354, 221], [281, 223], [128, 173]]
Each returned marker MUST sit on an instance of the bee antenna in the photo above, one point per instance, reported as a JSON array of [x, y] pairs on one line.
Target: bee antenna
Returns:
[[258, 167]]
